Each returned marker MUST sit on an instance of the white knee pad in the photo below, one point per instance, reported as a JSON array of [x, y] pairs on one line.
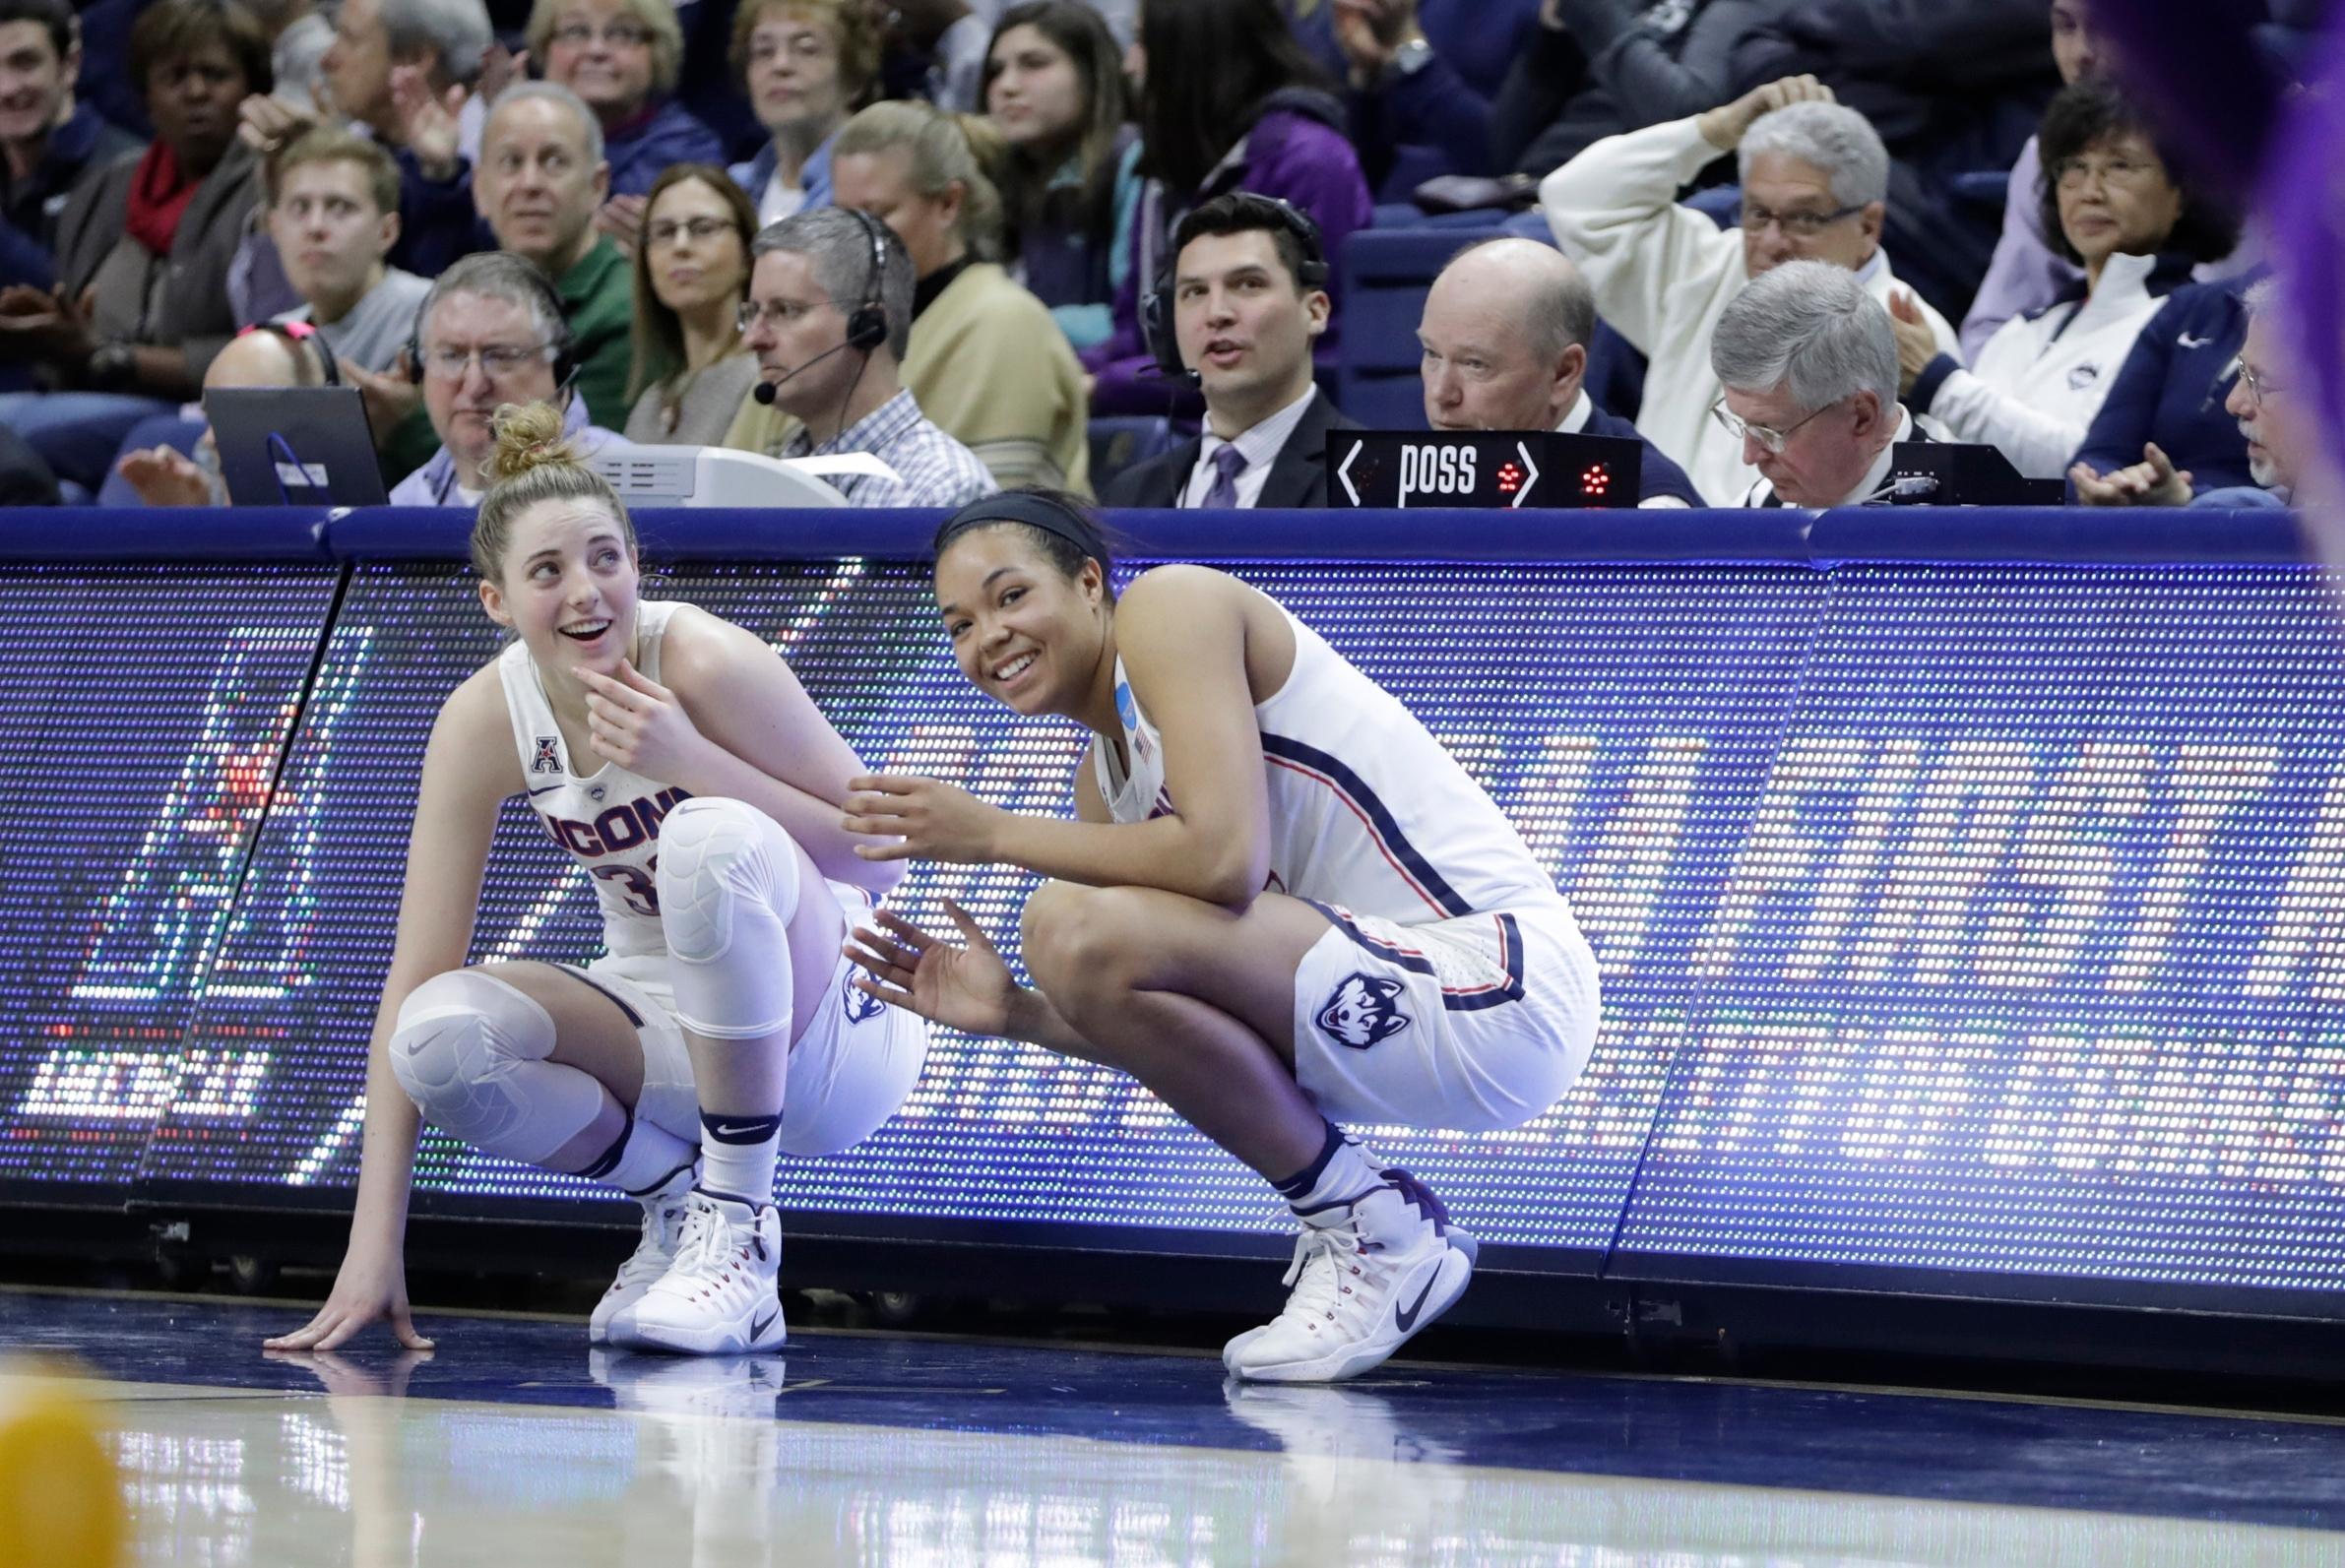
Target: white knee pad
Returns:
[[470, 1049], [728, 887]]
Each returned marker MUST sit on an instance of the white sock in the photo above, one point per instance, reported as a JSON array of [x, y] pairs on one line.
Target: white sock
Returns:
[[1339, 1174], [737, 1156], [642, 1157]]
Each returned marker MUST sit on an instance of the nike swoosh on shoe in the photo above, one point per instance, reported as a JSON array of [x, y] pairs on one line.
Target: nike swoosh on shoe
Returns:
[[1405, 1318]]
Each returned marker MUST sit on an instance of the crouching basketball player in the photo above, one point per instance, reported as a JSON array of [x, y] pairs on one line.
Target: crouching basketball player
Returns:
[[1283, 906], [678, 760]]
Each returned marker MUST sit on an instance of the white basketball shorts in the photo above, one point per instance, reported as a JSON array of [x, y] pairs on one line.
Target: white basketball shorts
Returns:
[[1479, 1023]]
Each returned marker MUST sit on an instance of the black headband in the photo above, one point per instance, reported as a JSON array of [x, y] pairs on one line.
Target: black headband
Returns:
[[1054, 518]]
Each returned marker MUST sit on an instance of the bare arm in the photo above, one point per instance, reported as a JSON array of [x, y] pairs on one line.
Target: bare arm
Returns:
[[967, 986], [741, 729], [468, 767], [1181, 632]]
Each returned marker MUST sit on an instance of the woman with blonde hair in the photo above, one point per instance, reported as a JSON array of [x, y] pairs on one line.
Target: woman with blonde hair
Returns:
[[986, 361], [806, 64], [621, 56], [678, 761], [692, 275]]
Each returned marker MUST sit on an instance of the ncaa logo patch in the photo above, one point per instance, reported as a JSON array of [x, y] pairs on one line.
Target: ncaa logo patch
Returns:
[[1362, 1011], [549, 755], [861, 1006]]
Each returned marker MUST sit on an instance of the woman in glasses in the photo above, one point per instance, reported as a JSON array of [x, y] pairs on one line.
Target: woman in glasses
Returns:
[[2119, 211], [621, 57], [692, 275]]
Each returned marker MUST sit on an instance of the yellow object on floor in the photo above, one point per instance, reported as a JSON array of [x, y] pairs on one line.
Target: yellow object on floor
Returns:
[[60, 1495]]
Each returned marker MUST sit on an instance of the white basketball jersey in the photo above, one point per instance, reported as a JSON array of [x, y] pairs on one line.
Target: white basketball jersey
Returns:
[[1366, 809], [608, 820]]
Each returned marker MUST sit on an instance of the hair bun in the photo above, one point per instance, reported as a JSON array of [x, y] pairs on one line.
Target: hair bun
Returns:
[[529, 436]]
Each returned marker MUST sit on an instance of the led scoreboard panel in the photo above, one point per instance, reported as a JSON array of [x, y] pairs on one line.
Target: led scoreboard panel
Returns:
[[1586, 739], [1956, 920], [147, 709]]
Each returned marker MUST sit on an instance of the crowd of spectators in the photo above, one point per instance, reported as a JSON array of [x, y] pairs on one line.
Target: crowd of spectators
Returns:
[[952, 235]]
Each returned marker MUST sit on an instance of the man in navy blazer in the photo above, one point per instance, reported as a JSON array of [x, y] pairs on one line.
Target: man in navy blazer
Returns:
[[1506, 336], [1245, 299]]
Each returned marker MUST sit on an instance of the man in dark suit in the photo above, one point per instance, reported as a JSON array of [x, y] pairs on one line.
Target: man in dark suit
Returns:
[[1506, 336], [1245, 297]]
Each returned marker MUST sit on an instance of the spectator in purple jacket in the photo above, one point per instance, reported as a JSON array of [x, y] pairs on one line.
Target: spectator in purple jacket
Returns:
[[1258, 116], [620, 56]]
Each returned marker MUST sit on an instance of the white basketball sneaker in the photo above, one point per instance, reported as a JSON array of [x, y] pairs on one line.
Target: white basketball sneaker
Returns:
[[1368, 1276], [613, 1322], [718, 1296]]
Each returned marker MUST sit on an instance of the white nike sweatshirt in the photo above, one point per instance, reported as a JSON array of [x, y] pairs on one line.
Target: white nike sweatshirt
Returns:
[[2042, 378]]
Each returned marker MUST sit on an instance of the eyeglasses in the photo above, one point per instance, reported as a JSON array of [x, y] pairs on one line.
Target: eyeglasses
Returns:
[[2075, 173], [2259, 384], [779, 313], [1795, 225], [497, 361], [619, 35], [668, 230], [1739, 427]]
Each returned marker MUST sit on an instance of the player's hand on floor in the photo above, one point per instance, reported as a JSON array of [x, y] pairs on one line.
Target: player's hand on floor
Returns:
[[962, 988], [366, 1290], [342, 1377], [933, 820]]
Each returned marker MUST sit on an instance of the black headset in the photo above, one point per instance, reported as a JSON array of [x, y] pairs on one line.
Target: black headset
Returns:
[[299, 339], [868, 325], [550, 306], [1156, 306]]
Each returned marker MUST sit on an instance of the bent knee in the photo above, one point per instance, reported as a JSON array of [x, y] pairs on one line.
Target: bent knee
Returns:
[[462, 1028], [714, 854], [1084, 944]]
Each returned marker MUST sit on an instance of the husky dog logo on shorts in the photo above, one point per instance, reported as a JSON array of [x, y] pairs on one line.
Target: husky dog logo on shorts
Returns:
[[861, 1005], [549, 755], [1362, 1011]]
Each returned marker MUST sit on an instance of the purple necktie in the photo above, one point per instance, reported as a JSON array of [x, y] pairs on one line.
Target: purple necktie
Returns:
[[1227, 464]]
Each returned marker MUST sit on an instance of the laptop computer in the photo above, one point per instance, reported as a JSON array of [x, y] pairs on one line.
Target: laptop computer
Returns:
[[294, 446]]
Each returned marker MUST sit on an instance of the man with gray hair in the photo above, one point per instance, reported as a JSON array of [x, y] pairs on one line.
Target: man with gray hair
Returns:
[[828, 316], [2275, 421], [542, 180], [1504, 337], [405, 70], [1816, 183], [490, 331], [1807, 361]]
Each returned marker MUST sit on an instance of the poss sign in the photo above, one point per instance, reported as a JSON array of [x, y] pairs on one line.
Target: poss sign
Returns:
[[1506, 469]]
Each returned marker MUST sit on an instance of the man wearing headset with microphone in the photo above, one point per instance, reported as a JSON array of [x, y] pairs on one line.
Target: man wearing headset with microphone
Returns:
[[490, 331], [828, 315]]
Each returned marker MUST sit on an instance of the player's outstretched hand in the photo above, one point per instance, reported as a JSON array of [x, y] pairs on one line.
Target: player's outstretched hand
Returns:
[[962, 988], [933, 820], [366, 1288]]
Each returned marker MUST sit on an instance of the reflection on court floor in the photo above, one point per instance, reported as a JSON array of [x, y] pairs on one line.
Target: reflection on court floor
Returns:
[[517, 1445]]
